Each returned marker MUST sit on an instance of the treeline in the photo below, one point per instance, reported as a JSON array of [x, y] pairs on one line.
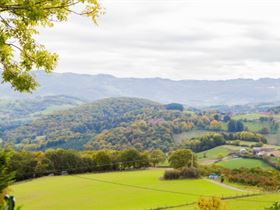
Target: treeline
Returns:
[[211, 140], [28, 165], [204, 142], [246, 136]]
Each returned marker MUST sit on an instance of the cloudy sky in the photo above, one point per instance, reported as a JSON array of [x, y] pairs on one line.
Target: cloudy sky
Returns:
[[177, 39]]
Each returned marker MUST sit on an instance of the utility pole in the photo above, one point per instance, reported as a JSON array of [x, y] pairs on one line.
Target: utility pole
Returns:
[[192, 161]]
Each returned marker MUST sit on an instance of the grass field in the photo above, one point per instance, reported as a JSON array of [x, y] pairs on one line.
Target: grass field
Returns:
[[188, 135], [241, 162], [250, 116], [273, 138], [213, 154], [117, 190]]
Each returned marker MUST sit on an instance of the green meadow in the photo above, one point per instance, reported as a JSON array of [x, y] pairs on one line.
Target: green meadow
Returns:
[[214, 153], [242, 162], [116, 190]]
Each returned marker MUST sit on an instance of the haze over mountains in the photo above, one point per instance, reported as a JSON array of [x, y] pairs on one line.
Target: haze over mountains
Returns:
[[191, 92]]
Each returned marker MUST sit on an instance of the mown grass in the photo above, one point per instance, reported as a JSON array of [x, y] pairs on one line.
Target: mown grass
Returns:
[[87, 191]]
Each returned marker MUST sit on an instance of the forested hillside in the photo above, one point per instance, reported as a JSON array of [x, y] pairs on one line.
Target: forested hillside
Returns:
[[119, 123], [73, 127], [15, 109]]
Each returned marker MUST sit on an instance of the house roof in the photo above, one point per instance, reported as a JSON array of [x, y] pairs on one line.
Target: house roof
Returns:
[[275, 153]]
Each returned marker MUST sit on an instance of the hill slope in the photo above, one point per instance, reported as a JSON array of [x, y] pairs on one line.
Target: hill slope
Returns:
[[147, 123]]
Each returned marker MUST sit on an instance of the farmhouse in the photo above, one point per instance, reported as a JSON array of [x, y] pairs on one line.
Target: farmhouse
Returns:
[[275, 153], [262, 150]]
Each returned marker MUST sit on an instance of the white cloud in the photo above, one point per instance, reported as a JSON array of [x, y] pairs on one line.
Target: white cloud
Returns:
[[178, 39]]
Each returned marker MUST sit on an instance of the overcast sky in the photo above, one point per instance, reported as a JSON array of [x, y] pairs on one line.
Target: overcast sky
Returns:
[[176, 39]]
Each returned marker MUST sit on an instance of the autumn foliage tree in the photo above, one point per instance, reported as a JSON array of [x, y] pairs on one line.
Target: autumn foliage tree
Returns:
[[212, 203], [19, 51]]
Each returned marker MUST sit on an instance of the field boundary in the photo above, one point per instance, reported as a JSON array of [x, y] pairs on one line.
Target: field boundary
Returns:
[[223, 198]]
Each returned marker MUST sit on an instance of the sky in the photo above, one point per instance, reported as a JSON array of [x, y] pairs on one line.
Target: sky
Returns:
[[175, 39]]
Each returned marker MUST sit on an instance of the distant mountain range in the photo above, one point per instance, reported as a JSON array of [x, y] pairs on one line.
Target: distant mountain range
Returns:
[[190, 92]]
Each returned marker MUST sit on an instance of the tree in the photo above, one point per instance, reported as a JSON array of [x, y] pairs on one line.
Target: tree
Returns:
[[174, 106], [239, 126], [182, 158], [231, 126], [264, 130], [156, 156], [215, 125], [19, 52], [216, 117], [211, 204], [5, 176], [227, 118], [103, 160], [130, 158], [235, 126]]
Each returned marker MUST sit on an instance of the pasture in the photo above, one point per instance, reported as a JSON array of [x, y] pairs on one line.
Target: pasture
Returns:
[[215, 153], [115, 190], [250, 116], [189, 134], [242, 162]]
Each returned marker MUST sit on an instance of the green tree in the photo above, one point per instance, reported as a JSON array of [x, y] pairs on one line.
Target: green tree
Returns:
[[19, 51], [130, 158], [5, 176], [182, 158], [103, 160], [156, 156], [232, 126], [235, 126], [239, 126], [226, 118]]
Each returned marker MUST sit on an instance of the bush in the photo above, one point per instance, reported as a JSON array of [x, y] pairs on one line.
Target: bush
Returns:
[[183, 173], [171, 174], [211, 204], [190, 172]]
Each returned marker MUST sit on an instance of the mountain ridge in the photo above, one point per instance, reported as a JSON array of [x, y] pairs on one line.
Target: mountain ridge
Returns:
[[190, 92]]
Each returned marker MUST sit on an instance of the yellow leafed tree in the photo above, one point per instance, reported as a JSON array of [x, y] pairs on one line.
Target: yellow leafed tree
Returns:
[[212, 203]]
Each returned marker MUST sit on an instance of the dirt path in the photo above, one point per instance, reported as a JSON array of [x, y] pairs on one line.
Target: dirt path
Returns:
[[226, 186]]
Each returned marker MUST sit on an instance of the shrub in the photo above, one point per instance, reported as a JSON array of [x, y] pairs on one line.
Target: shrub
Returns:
[[190, 172], [211, 204], [183, 173], [171, 174]]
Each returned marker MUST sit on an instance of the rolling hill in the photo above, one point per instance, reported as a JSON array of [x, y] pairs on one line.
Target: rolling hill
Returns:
[[121, 121], [191, 92]]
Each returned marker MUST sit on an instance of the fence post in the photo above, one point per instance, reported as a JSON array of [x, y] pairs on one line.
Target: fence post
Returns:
[[10, 201]]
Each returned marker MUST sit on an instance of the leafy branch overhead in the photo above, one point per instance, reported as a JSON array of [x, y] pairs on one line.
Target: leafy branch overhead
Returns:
[[19, 51]]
